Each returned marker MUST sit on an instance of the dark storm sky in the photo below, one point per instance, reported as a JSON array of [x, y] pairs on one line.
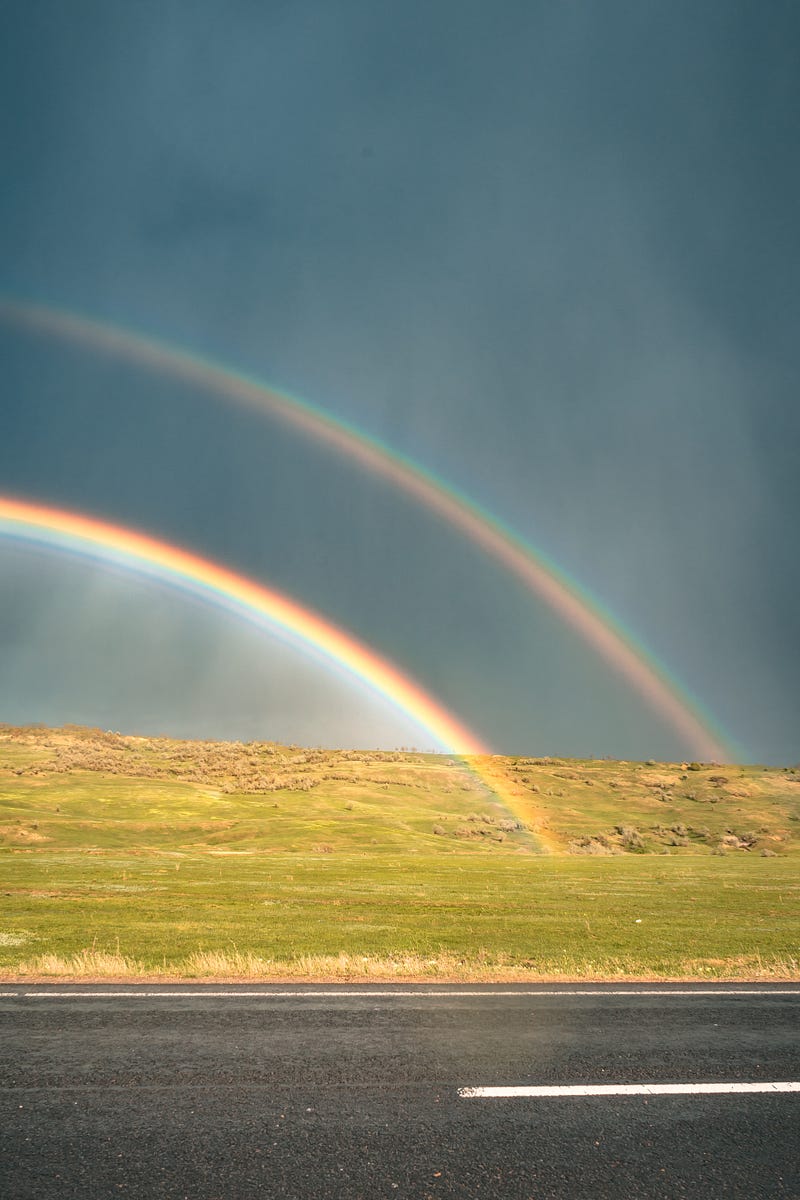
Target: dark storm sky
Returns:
[[550, 251]]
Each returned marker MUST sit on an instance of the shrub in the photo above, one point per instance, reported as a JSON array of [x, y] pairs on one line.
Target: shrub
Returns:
[[630, 837], [591, 845]]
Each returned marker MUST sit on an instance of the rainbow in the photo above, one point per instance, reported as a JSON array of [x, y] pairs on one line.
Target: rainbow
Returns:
[[543, 579], [88, 537]]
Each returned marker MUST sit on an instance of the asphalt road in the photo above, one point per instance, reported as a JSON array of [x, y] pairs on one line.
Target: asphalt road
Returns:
[[211, 1092]]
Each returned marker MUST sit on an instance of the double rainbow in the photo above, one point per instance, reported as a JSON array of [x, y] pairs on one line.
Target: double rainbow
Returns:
[[543, 579]]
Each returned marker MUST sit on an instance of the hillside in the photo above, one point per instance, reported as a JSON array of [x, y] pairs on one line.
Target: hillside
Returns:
[[77, 787], [127, 856]]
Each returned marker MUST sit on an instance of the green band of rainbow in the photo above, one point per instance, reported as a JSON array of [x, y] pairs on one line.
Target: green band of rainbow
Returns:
[[547, 582]]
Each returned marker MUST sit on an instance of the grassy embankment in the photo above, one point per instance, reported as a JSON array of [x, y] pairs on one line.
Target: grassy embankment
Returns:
[[126, 857]]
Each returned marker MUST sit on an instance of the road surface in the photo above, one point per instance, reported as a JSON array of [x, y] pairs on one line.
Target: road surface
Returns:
[[378, 1091]]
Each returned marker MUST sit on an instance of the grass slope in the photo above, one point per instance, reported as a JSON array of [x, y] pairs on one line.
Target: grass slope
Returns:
[[128, 856]]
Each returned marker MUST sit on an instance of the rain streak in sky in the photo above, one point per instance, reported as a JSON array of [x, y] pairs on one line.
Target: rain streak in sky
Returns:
[[544, 258]]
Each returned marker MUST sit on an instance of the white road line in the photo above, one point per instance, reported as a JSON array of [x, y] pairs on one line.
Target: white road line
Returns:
[[625, 1089], [274, 994]]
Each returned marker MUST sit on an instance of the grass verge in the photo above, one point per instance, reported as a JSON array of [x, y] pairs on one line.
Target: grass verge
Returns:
[[412, 916]]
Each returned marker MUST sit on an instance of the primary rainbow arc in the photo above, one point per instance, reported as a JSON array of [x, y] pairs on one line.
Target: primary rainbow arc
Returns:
[[87, 536], [543, 579]]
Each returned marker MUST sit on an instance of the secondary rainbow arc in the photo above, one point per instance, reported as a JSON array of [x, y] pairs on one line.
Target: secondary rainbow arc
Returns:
[[543, 579]]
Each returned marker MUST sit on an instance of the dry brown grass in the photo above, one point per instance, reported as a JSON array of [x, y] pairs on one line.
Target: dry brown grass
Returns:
[[17, 833], [243, 966], [86, 964], [240, 767]]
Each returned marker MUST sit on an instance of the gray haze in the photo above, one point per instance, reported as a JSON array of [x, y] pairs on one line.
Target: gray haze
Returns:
[[550, 251]]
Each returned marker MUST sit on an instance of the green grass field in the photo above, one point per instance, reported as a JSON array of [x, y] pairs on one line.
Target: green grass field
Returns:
[[147, 857]]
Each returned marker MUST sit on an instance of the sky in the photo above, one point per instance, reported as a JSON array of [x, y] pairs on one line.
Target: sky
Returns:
[[550, 252]]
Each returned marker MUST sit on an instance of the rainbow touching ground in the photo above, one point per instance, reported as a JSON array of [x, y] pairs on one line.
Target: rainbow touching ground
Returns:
[[90, 538]]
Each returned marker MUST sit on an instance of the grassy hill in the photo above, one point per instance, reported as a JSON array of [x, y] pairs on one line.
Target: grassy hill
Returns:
[[128, 855]]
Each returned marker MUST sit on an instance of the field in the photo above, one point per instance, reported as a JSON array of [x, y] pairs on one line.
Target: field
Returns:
[[138, 857]]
